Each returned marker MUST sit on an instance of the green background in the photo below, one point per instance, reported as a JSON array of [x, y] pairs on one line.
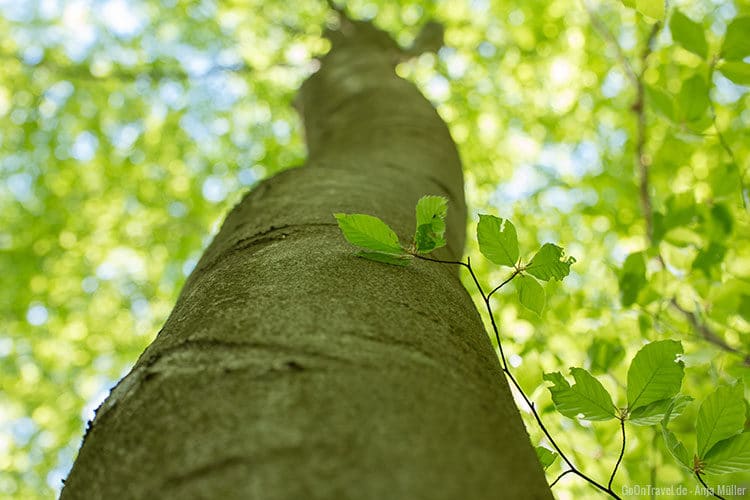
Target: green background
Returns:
[[128, 128]]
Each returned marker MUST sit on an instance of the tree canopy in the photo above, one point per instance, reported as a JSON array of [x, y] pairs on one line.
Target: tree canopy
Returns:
[[616, 129]]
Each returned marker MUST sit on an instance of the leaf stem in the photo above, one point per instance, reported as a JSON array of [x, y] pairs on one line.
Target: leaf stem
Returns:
[[455, 262], [708, 488], [553, 483], [622, 453], [498, 287]]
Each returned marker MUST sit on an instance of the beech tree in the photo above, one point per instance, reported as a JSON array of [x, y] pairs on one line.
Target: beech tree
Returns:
[[291, 369], [605, 152]]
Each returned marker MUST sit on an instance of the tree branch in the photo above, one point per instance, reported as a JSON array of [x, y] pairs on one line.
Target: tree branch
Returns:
[[607, 34], [644, 162]]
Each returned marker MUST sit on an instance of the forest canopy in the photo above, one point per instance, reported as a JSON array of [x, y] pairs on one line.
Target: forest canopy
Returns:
[[617, 129]]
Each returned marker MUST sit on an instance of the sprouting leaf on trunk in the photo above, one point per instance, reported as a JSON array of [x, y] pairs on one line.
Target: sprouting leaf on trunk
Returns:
[[430, 232], [498, 240], [369, 233]]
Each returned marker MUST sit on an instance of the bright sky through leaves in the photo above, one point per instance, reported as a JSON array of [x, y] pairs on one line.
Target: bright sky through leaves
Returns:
[[128, 128]]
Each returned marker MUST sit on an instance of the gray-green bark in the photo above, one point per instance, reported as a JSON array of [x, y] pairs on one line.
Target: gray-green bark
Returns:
[[289, 368]]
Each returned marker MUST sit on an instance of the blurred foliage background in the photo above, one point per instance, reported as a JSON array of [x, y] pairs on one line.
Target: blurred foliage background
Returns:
[[128, 128]]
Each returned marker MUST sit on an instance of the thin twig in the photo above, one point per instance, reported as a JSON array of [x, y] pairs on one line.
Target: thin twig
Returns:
[[638, 108], [708, 488], [507, 372], [531, 405], [498, 287], [622, 453], [706, 333], [605, 32], [553, 483]]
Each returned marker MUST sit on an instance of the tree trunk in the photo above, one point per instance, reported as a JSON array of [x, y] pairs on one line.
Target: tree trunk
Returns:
[[291, 369]]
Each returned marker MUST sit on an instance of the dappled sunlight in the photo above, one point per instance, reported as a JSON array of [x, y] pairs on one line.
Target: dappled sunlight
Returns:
[[129, 128]]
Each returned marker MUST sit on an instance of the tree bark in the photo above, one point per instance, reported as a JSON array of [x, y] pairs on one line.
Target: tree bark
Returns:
[[291, 369]]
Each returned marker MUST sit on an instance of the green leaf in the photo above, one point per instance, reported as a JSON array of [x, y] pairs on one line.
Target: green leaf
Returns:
[[710, 257], [738, 72], [688, 33], [655, 373], [674, 446], [432, 210], [654, 413], [723, 179], [632, 278], [693, 99], [721, 415], [744, 307], [498, 240], [430, 233], [549, 263], [736, 40], [729, 455], [603, 354], [721, 221], [651, 8], [387, 258], [660, 101], [530, 293], [368, 232], [546, 457], [681, 210], [587, 399]]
